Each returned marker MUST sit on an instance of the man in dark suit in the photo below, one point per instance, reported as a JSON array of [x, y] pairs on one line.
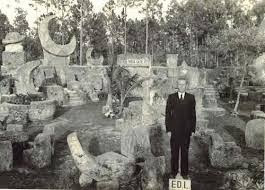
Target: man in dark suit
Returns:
[[180, 124]]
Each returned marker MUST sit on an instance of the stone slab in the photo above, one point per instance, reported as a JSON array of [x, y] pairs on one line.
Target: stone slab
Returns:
[[134, 141], [256, 114], [254, 133], [6, 156], [40, 155]]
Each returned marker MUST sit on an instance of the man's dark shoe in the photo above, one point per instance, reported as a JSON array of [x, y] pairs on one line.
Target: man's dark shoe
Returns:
[[172, 176], [186, 177]]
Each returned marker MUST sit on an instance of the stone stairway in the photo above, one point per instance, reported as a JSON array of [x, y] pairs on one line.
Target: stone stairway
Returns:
[[75, 99], [210, 90], [210, 102], [210, 96]]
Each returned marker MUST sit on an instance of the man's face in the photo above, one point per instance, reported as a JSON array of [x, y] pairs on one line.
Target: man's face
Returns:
[[182, 85]]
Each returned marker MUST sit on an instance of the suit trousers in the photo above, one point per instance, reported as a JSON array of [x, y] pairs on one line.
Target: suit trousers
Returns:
[[180, 144]]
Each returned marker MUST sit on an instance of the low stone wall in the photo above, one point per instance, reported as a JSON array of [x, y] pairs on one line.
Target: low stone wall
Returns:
[[17, 113], [37, 110], [42, 110], [88, 77], [8, 98], [160, 71]]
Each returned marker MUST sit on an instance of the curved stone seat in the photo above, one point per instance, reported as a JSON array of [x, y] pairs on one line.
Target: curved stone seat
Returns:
[[105, 167], [82, 160]]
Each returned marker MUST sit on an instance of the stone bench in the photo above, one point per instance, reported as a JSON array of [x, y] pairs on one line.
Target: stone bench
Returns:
[[260, 107], [224, 154], [42, 110]]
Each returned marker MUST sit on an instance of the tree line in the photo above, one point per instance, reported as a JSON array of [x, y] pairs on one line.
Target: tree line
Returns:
[[206, 33]]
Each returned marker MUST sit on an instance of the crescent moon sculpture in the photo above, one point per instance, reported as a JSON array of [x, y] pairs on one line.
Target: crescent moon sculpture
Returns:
[[24, 82], [93, 61], [49, 45]]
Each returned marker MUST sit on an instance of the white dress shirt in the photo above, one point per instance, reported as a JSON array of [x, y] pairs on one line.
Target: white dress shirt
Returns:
[[181, 95]]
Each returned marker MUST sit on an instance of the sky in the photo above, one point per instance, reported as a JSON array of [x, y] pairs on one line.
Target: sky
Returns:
[[8, 7]]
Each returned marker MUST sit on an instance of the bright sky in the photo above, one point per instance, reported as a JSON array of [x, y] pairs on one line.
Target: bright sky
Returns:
[[8, 7]]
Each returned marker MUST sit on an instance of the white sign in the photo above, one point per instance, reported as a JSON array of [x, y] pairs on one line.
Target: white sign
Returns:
[[179, 184], [135, 61]]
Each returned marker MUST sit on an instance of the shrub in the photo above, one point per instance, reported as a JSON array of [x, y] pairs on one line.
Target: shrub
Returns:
[[25, 99]]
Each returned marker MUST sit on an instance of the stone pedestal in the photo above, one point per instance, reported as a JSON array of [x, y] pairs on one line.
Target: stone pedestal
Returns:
[[139, 64], [172, 63], [13, 56], [55, 92], [134, 142], [119, 124], [55, 55], [12, 61], [59, 63], [254, 134]]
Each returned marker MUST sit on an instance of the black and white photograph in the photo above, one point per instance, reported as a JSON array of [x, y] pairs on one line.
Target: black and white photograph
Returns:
[[132, 94]]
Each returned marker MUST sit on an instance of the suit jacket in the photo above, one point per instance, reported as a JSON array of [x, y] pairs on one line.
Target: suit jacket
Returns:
[[180, 114]]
